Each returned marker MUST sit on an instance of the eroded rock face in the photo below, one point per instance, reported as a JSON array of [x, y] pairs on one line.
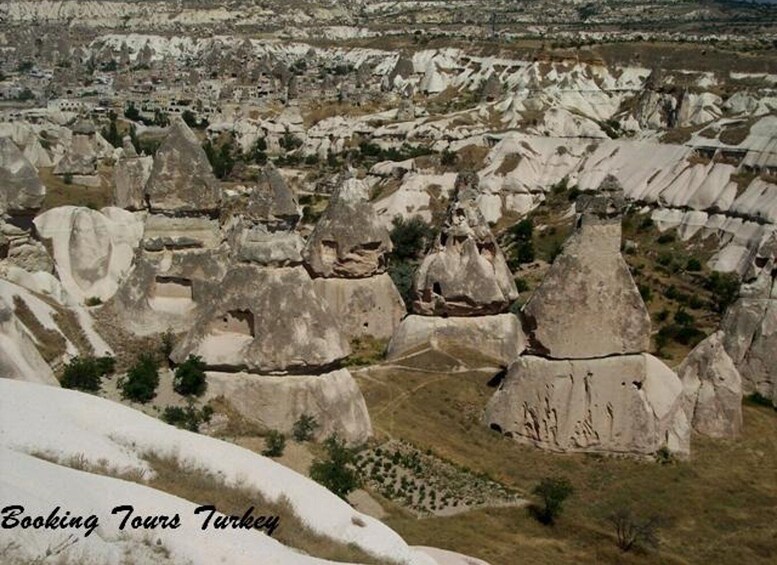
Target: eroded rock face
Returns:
[[498, 338], [750, 333], [19, 357], [588, 304], [272, 202], [258, 245], [348, 240], [93, 251], [164, 289], [272, 402], [263, 320], [181, 179], [165, 232], [713, 389], [21, 191], [129, 181], [363, 307], [630, 404], [465, 273]]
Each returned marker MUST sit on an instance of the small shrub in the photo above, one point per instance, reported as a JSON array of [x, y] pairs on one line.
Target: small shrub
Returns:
[[141, 381], [666, 238], [553, 492], [646, 223], [724, 288], [521, 285], [67, 178], [189, 377], [410, 237], [645, 292], [693, 265], [632, 533], [304, 428], [683, 318], [276, 443], [402, 274], [336, 472], [106, 365], [168, 343], [82, 373], [93, 301], [189, 418], [664, 456]]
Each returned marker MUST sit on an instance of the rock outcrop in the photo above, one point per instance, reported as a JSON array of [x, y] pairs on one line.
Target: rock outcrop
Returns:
[[593, 388], [588, 305], [181, 179], [93, 251], [750, 332], [465, 273], [262, 321], [21, 191], [348, 254], [19, 356], [348, 240], [498, 339], [713, 389], [275, 403], [629, 404], [363, 307], [130, 176]]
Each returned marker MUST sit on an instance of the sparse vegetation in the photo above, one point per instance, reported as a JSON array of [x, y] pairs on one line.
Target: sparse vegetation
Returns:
[[86, 373], [552, 492], [189, 379], [276, 443], [189, 418], [336, 471], [304, 428], [632, 533], [141, 381]]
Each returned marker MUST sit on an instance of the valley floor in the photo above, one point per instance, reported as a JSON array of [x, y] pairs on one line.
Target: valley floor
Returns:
[[721, 507]]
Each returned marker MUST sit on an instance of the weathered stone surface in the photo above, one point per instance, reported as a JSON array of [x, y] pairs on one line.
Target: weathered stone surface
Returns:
[[348, 240], [272, 202], [630, 404], [19, 357], [750, 333], [363, 307], [272, 402], [465, 273], [80, 157], [406, 110], [181, 178], [499, 337], [257, 245], [20, 188], [713, 389], [164, 289], [165, 232], [588, 305], [129, 182], [93, 251], [263, 320]]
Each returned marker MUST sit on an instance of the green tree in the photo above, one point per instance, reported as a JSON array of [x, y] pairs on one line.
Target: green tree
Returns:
[[304, 428], [131, 112], [552, 492], [276, 443], [410, 237], [336, 472], [141, 381], [85, 373], [724, 288], [189, 379]]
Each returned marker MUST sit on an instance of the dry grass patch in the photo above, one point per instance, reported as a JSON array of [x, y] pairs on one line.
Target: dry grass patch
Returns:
[[59, 193], [51, 344], [471, 157], [509, 164], [722, 505]]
